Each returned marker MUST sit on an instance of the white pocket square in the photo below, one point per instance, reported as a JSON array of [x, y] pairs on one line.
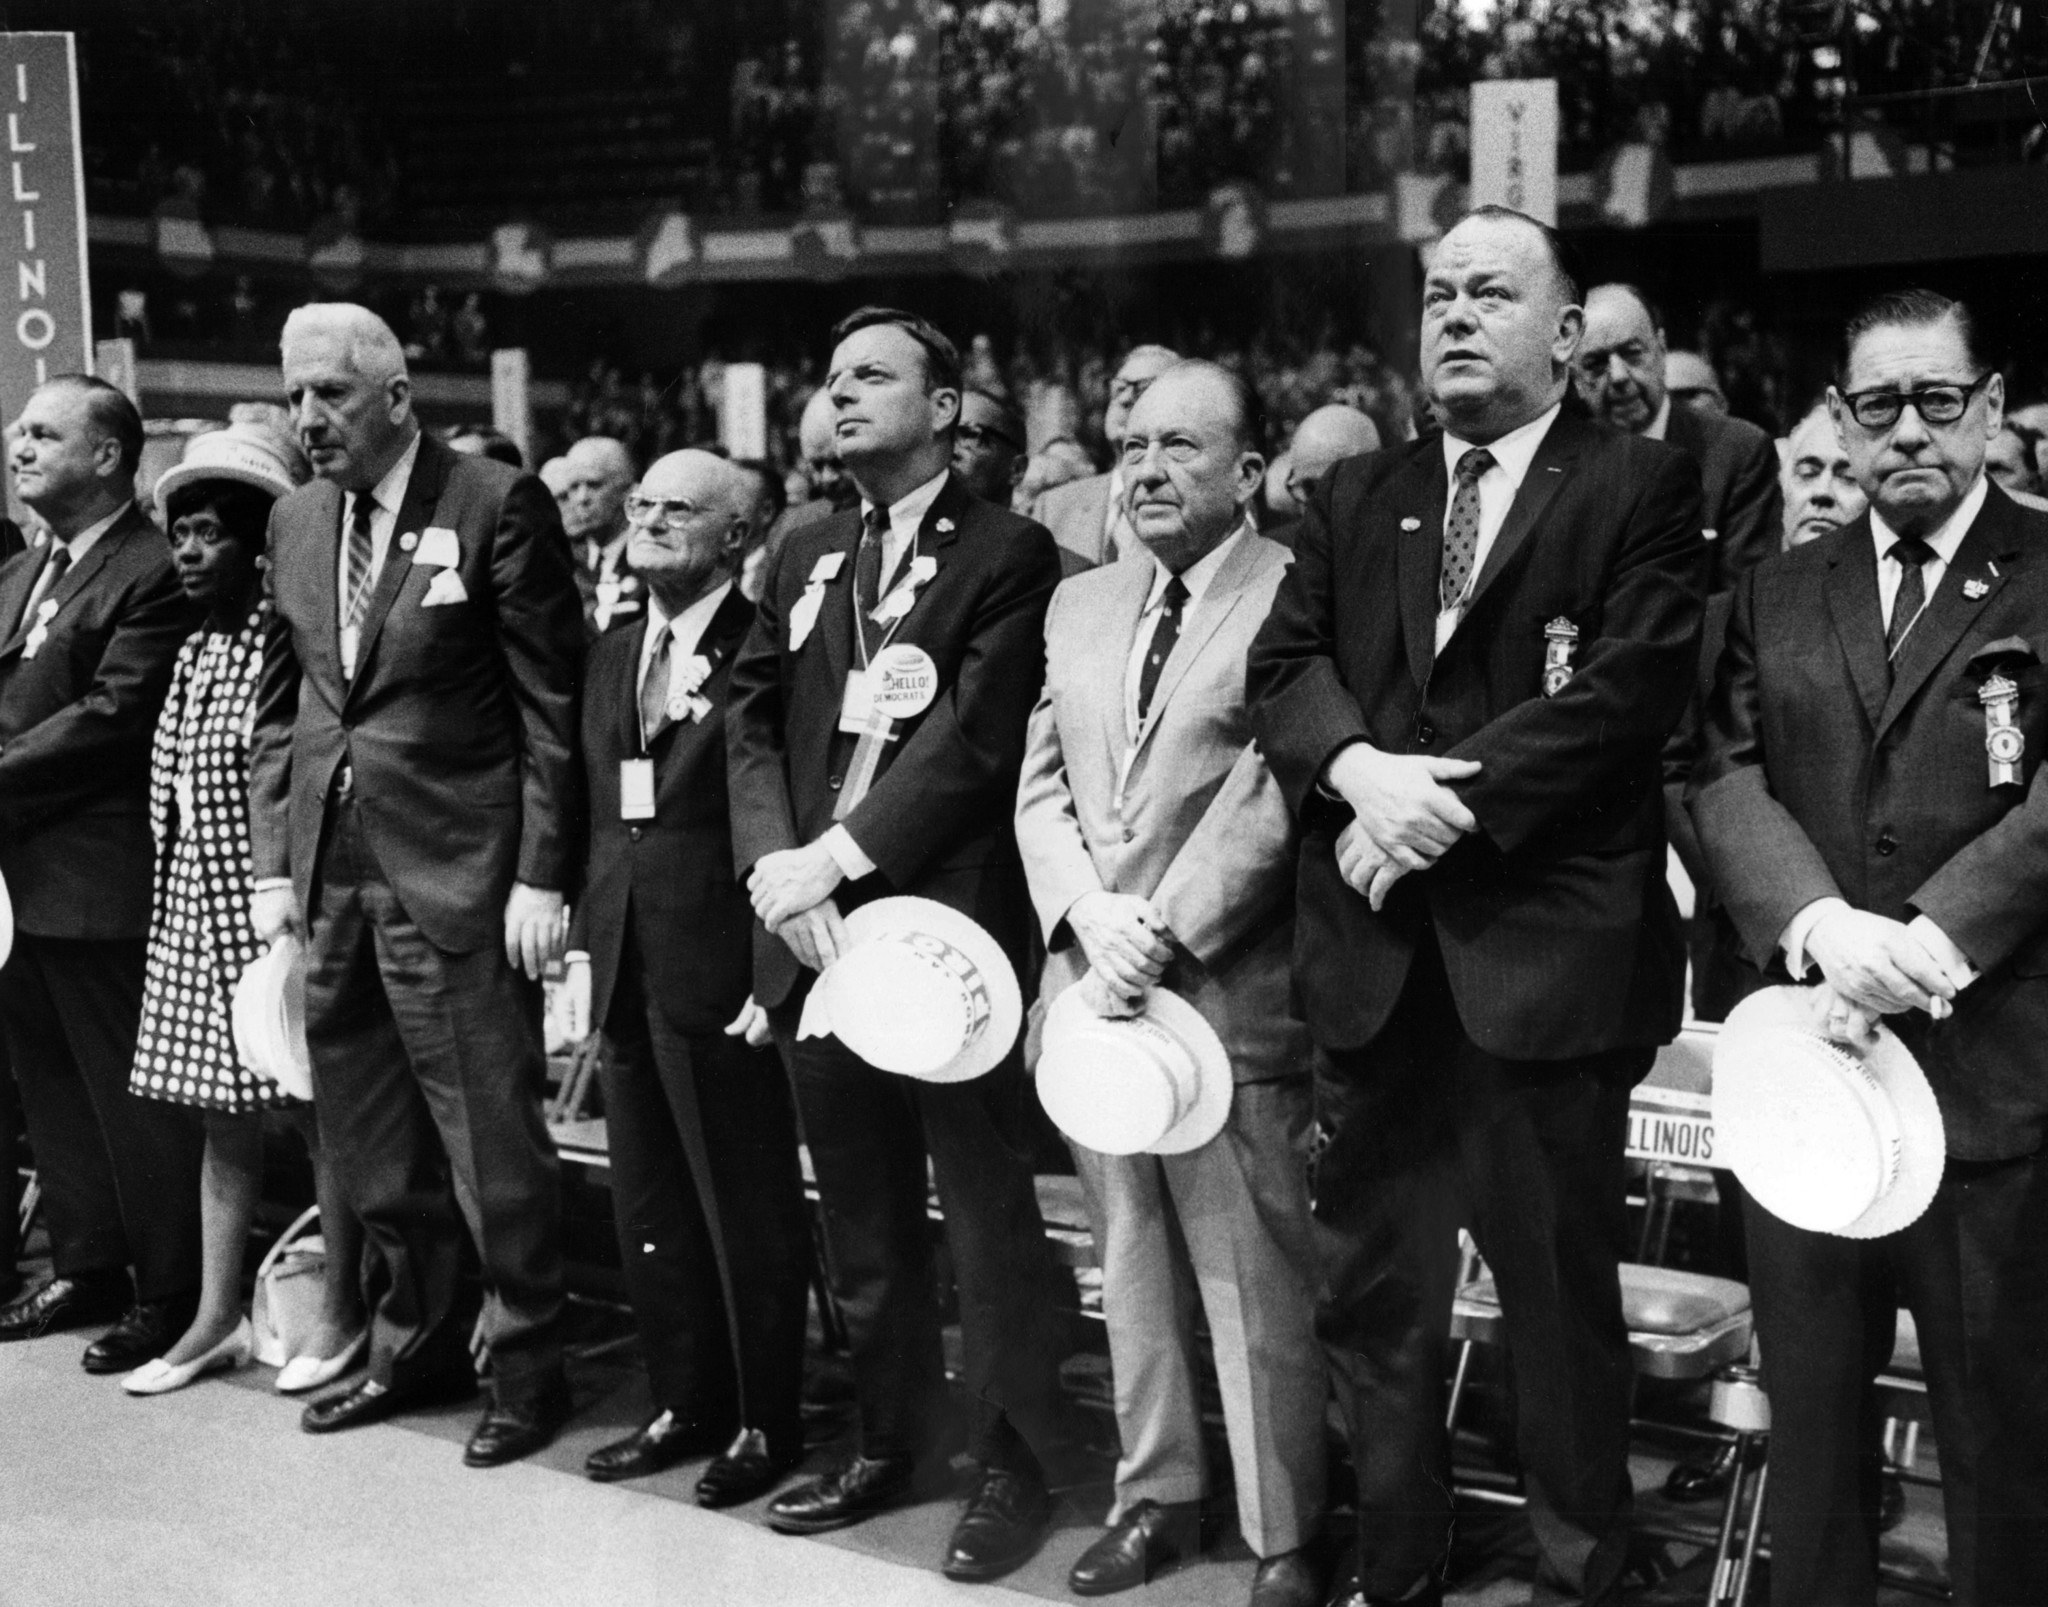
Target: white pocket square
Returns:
[[445, 587], [438, 548]]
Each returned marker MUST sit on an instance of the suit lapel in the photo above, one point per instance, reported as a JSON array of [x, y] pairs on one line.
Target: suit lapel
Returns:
[[1547, 471], [835, 617], [14, 592], [1417, 495], [1984, 557], [415, 512], [1857, 615], [1221, 596], [75, 580], [1110, 652]]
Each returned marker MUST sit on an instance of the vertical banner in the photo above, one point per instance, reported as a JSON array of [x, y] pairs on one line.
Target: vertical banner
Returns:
[[1514, 145], [46, 327], [511, 404], [743, 419]]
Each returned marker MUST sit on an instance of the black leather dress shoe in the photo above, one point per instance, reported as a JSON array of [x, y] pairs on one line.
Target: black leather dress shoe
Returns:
[[1351, 1594], [858, 1488], [65, 1303], [745, 1469], [516, 1428], [1147, 1541], [656, 1445], [146, 1330], [368, 1401], [1705, 1480], [1005, 1522], [1291, 1579]]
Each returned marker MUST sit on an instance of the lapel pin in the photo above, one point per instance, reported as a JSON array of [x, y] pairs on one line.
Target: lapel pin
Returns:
[[1411, 523], [1973, 589], [943, 526], [408, 541]]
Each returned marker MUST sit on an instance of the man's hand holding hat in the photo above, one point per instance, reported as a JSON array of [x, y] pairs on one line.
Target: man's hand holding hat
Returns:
[[1875, 966], [1128, 948]]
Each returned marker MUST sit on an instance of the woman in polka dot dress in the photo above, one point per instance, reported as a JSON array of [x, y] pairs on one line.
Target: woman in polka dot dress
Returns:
[[216, 505]]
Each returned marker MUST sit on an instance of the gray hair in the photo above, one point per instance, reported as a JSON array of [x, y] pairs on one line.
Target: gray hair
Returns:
[[373, 350]]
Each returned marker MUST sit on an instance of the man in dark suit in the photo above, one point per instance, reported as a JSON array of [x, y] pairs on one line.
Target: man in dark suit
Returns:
[[1621, 374], [1463, 688], [705, 1182], [825, 818], [411, 775], [93, 620], [597, 475], [1858, 818]]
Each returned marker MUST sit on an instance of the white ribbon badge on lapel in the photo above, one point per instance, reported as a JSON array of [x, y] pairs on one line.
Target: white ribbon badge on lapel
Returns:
[[803, 614], [46, 610], [684, 701]]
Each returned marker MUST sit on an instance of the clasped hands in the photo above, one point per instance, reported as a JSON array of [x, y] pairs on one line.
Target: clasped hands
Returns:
[[792, 892], [1405, 815], [1873, 966], [1128, 945]]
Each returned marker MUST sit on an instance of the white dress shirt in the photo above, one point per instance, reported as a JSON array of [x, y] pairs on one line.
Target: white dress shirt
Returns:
[[78, 546], [385, 497], [1196, 577], [1890, 574], [1512, 455], [1660, 426], [685, 631]]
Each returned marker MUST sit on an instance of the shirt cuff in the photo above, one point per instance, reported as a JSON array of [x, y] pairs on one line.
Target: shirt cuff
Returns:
[[846, 854], [1800, 928], [1950, 958], [269, 884]]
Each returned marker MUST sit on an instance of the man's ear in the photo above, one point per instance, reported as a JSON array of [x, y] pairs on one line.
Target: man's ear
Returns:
[[1571, 329], [946, 403], [398, 393]]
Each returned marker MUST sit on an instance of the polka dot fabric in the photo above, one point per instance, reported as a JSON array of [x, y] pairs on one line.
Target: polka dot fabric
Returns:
[[200, 939]]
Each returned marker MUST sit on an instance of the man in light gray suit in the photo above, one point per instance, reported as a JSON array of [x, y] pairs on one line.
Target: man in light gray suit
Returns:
[[1160, 853], [1086, 517]]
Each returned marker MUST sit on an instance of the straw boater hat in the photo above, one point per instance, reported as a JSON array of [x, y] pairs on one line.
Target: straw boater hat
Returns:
[[920, 990], [248, 454], [1154, 1083], [1826, 1136], [268, 1014]]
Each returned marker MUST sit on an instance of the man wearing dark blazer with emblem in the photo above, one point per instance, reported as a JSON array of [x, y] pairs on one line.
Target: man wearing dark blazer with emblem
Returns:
[[92, 620], [705, 1182], [1463, 688], [921, 566], [1862, 819], [412, 777]]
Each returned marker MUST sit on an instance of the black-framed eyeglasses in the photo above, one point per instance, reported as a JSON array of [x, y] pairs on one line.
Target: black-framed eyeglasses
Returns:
[[980, 435], [1936, 404], [647, 510]]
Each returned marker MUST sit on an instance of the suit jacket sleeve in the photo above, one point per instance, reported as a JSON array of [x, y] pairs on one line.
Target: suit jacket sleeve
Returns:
[[757, 767], [1301, 710], [958, 771], [66, 760], [540, 631], [1764, 866], [1992, 895], [270, 745], [1547, 759], [1236, 866], [1753, 513], [1057, 865]]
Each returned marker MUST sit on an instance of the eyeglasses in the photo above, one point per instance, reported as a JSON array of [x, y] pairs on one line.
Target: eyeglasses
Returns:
[[1936, 404], [980, 435], [1128, 390], [674, 514]]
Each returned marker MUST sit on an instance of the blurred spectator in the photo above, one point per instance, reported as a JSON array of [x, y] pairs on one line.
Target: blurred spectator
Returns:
[[1325, 437], [471, 331], [2012, 459], [988, 446], [1087, 517], [593, 504], [1690, 382], [1060, 463], [480, 440], [554, 474], [765, 502], [1820, 495]]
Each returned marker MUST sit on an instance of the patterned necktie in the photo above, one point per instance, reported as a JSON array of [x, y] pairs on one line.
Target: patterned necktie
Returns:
[[53, 572], [654, 691], [1461, 533], [1911, 552], [1164, 635], [360, 552], [867, 576]]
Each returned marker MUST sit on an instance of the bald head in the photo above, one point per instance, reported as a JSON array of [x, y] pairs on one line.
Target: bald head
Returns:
[[1325, 436], [1140, 367], [689, 527], [351, 399], [593, 499], [1191, 462], [1691, 382], [1621, 359]]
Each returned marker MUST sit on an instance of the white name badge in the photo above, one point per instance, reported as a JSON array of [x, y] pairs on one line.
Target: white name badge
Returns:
[[636, 789], [905, 681], [857, 703], [351, 636]]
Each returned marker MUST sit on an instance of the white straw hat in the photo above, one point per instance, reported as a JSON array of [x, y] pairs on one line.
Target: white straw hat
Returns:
[[1154, 1083], [920, 990], [268, 1014], [248, 454], [1825, 1136]]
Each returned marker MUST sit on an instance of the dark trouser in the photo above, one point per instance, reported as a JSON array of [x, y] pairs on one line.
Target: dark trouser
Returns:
[[11, 1160], [1974, 1273], [428, 1068], [701, 1127], [869, 1133], [120, 1174], [1428, 1133]]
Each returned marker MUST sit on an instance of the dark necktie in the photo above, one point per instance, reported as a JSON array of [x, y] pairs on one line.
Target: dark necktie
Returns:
[[1461, 532], [1911, 552], [1164, 635], [360, 552], [54, 571], [867, 576], [654, 690]]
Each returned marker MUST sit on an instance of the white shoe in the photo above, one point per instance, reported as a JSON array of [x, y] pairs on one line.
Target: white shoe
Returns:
[[302, 1373], [159, 1377]]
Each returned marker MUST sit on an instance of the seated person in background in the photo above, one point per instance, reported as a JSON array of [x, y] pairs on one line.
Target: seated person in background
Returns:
[[988, 446], [1691, 383], [216, 505]]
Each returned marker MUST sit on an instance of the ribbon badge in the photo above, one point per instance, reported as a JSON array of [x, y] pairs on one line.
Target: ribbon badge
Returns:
[[803, 613], [1560, 642], [684, 702], [46, 611], [2004, 743], [904, 593]]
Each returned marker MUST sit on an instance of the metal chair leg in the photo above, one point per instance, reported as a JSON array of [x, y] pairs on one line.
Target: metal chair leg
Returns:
[[1458, 1387], [1756, 1527]]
